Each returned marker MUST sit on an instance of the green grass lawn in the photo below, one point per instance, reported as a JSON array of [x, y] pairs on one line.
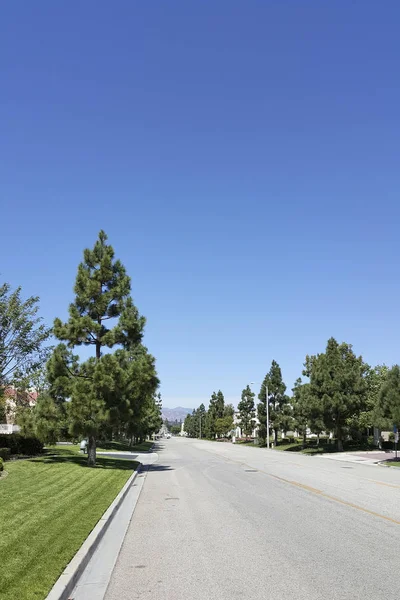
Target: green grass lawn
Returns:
[[48, 506], [124, 447], [103, 447], [392, 463]]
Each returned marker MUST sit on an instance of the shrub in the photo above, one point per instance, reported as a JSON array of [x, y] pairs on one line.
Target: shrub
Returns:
[[18, 444], [5, 453], [1, 465], [387, 445]]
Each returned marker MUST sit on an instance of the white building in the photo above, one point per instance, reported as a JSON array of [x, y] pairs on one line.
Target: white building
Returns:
[[237, 429], [15, 398]]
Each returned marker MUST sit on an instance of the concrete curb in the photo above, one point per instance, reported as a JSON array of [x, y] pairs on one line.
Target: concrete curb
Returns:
[[67, 581]]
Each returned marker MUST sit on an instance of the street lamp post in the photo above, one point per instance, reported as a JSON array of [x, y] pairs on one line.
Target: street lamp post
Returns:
[[267, 406]]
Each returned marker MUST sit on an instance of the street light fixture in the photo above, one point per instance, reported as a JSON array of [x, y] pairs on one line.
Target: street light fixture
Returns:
[[267, 405]]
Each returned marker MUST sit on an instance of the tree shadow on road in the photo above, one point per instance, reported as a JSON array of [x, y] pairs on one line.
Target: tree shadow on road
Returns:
[[157, 468]]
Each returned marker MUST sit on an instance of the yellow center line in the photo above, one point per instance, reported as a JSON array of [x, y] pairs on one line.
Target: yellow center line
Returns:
[[321, 493], [392, 485], [333, 498]]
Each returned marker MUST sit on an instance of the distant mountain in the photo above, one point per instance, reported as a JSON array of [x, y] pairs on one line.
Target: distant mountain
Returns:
[[179, 413]]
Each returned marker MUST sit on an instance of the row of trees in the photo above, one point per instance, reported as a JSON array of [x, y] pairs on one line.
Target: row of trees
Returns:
[[217, 421], [339, 393], [113, 392]]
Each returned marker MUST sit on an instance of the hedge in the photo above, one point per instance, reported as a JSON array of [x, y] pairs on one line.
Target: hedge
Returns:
[[18, 444], [5, 453]]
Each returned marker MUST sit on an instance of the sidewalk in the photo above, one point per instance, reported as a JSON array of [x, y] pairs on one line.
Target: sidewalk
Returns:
[[93, 583], [373, 457]]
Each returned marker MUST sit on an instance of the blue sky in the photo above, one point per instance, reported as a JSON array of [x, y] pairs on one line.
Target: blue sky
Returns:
[[243, 158]]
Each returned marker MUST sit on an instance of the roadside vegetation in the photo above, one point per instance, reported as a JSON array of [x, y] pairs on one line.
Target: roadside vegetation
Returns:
[[394, 462], [105, 447], [50, 500], [48, 506], [339, 396], [52, 393]]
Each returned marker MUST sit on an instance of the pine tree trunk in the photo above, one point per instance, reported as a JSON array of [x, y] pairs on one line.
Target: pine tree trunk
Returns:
[[317, 439], [304, 440], [92, 451], [276, 437]]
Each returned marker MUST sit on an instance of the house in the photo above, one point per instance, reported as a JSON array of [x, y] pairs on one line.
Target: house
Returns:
[[237, 429], [14, 399]]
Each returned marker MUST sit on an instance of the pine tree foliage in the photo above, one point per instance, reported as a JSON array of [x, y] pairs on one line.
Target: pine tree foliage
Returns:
[[246, 410], [338, 382], [111, 391]]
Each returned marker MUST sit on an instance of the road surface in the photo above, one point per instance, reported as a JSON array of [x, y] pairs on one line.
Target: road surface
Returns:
[[228, 522]]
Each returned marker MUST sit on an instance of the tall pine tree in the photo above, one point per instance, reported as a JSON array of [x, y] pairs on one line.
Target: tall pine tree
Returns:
[[102, 316], [246, 410], [278, 401], [338, 381]]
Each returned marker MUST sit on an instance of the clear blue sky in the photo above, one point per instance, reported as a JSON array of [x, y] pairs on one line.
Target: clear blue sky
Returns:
[[243, 158]]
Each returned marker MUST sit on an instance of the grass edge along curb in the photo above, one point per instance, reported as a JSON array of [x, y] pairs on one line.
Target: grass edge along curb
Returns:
[[65, 584]]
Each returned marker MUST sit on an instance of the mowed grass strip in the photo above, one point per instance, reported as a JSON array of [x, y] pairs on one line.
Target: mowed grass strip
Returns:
[[106, 447], [48, 507]]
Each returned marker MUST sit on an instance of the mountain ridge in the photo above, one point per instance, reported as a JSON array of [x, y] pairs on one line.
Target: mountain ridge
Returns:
[[176, 414]]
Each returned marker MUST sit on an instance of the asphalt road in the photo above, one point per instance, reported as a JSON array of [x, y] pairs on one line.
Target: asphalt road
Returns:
[[228, 522]]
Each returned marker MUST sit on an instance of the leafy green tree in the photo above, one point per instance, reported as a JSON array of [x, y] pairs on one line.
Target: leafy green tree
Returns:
[[103, 316], [371, 416], [175, 429], [360, 424], [215, 411], [229, 410], [246, 410], [22, 336], [314, 404], [102, 294], [200, 417], [224, 425], [188, 424], [134, 406], [24, 417], [389, 396], [3, 410], [208, 426], [286, 420], [48, 419], [300, 408], [338, 382], [210, 418], [219, 405], [279, 408]]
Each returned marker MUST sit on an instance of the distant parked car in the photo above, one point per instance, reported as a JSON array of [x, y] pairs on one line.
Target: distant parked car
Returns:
[[168, 436]]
